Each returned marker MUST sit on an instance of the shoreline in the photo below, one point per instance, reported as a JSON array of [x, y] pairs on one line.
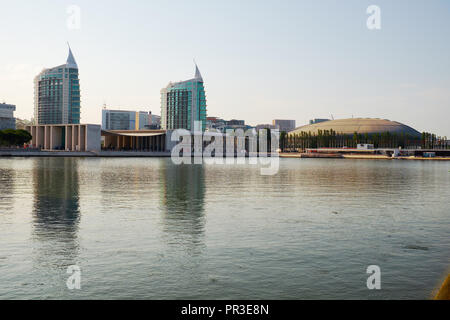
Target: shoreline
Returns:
[[355, 156], [166, 154], [84, 154]]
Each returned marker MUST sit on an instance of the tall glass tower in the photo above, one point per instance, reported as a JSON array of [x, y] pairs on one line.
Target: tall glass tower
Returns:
[[57, 94], [182, 103]]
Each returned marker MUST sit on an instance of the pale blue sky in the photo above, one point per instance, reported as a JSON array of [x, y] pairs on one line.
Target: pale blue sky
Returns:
[[260, 60]]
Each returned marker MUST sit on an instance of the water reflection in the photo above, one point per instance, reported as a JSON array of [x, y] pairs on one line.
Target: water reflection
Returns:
[[56, 209], [183, 197], [7, 177]]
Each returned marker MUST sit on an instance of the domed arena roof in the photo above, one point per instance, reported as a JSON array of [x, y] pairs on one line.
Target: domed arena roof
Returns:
[[359, 125]]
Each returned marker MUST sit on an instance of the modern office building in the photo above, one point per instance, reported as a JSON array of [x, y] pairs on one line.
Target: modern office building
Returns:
[[143, 119], [7, 120], [284, 125], [183, 103], [57, 94], [125, 120]]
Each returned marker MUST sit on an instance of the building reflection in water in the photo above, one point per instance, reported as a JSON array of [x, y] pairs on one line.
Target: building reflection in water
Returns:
[[56, 210], [183, 196], [7, 177]]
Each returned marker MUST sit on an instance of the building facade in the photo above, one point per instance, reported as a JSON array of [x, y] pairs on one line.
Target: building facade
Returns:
[[7, 120], [69, 137], [183, 103], [125, 120], [57, 94], [284, 125]]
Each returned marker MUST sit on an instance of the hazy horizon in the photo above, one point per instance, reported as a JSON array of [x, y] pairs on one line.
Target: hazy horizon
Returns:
[[260, 60]]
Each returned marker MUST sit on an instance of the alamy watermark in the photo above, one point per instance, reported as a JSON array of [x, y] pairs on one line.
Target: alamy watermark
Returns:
[[374, 20], [374, 280], [73, 21], [231, 147], [74, 280]]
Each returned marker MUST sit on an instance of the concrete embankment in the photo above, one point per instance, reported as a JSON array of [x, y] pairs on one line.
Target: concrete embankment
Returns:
[[367, 156], [106, 154], [355, 156], [20, 153]]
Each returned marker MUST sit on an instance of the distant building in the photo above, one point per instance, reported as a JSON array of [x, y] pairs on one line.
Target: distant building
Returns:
[[57, 94], [284, 125], [23, 123], [318, 121], [7, 120], [143, 119], [265, 126], [125, 120], [224, 125], [235, 122], [182, 103], [155, 122], [214, 122]]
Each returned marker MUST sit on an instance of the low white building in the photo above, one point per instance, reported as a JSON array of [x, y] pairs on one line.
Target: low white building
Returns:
[[66, 137]]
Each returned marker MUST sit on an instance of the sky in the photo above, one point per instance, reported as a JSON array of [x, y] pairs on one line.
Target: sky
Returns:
[[260, 60]]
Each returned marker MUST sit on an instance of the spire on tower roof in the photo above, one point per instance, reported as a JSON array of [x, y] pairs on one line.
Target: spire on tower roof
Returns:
[[71, 63], [198, 75]]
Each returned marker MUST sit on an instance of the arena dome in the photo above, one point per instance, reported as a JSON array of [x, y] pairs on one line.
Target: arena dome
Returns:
[[359, 125]]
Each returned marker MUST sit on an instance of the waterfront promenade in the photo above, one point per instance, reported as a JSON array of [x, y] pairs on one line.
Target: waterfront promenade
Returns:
[[356, 156], [143, 154], [124, 154]]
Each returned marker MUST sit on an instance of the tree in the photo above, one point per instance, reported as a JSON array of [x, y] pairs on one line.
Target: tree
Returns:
[[11, 137]]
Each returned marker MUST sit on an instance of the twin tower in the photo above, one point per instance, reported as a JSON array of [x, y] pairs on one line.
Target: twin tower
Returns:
[[57, 98]]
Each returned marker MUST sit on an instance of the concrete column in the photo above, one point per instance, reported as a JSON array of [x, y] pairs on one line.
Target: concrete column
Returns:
[[86, 137], [82, 137], [69, 138], [47, 138], [75, 134], [40, 137], [51, 138], [34, 135]]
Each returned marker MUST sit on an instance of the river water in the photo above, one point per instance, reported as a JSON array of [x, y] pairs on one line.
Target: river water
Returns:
[[148, 229]]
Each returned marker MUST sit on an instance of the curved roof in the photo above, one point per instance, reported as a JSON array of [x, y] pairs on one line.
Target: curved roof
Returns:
[[359, 125]]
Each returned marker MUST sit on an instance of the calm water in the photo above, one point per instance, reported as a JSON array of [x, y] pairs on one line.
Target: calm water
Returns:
[[144, 228]]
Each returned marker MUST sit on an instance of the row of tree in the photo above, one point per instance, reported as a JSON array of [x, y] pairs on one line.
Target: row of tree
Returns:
[[332, 139], [11, 137]]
